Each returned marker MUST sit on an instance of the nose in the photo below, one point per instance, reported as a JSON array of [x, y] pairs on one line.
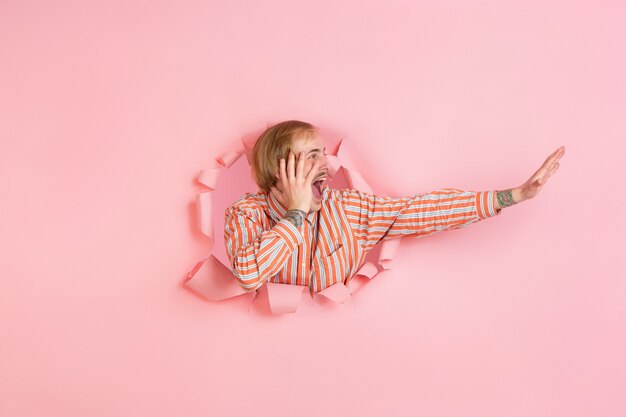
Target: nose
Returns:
[[324, 165]]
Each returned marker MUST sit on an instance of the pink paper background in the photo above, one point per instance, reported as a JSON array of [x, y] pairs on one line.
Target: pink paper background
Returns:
[[109, 110]]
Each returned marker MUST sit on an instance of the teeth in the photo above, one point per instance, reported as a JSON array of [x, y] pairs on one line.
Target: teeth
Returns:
[[318, 183]]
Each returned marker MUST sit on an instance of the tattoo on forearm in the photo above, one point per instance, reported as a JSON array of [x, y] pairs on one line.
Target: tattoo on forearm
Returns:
[[296, 217], [505, 198]]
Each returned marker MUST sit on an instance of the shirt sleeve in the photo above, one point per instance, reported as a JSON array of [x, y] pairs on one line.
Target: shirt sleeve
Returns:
[[256, 254], [374, 219]]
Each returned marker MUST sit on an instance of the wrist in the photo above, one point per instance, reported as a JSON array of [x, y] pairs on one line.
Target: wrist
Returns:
[[506, 198], [295, 216], [518, 195]]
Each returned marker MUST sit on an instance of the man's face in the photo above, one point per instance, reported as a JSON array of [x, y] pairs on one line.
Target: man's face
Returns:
[[314, 150]]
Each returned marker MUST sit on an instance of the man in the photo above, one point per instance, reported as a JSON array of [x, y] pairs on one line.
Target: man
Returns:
[[297, 230]]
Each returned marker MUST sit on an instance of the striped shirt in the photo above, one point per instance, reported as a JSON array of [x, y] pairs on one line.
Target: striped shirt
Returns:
[[331, 244]]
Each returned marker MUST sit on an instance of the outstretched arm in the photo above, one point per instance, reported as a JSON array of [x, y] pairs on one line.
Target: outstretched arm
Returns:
[[374, 219], [534, 184]]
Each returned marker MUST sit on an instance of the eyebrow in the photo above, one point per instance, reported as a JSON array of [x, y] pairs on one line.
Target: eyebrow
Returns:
[[314, 150]]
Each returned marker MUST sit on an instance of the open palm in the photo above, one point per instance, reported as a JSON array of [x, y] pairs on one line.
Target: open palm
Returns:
[[534, 184]]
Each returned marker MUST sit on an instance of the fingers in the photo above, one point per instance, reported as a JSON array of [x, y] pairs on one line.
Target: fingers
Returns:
[[313, 172], [283, 172], [541, 178], [558, 153], [291, 168], [553, 169], [554, 157], [295, 170], [300, 169]]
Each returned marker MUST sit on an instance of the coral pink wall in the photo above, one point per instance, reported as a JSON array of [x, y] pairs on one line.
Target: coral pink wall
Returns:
[[109, 110]]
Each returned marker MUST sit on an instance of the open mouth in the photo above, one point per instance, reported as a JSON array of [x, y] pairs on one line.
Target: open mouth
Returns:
[[317, 187]]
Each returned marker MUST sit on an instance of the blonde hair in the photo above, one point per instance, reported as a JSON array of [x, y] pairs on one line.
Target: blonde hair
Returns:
[[273, 144]]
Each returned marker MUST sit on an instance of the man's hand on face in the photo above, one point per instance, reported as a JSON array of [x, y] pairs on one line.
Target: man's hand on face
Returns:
[[293, 188]]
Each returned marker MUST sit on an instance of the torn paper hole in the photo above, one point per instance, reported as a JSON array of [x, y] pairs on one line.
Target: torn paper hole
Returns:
[[228, 181]]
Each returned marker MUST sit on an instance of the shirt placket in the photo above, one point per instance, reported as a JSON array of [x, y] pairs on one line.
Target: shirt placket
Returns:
[[304, 266], [312, 249]]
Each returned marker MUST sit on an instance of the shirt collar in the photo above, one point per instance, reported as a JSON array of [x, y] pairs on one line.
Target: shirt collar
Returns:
[[277, 210]]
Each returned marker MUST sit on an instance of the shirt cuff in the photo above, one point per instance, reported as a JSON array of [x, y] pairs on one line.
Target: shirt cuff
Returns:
[[485, 204], [290, 233]]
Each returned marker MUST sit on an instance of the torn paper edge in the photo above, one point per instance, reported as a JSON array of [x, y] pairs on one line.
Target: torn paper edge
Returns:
[[214, 281]]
